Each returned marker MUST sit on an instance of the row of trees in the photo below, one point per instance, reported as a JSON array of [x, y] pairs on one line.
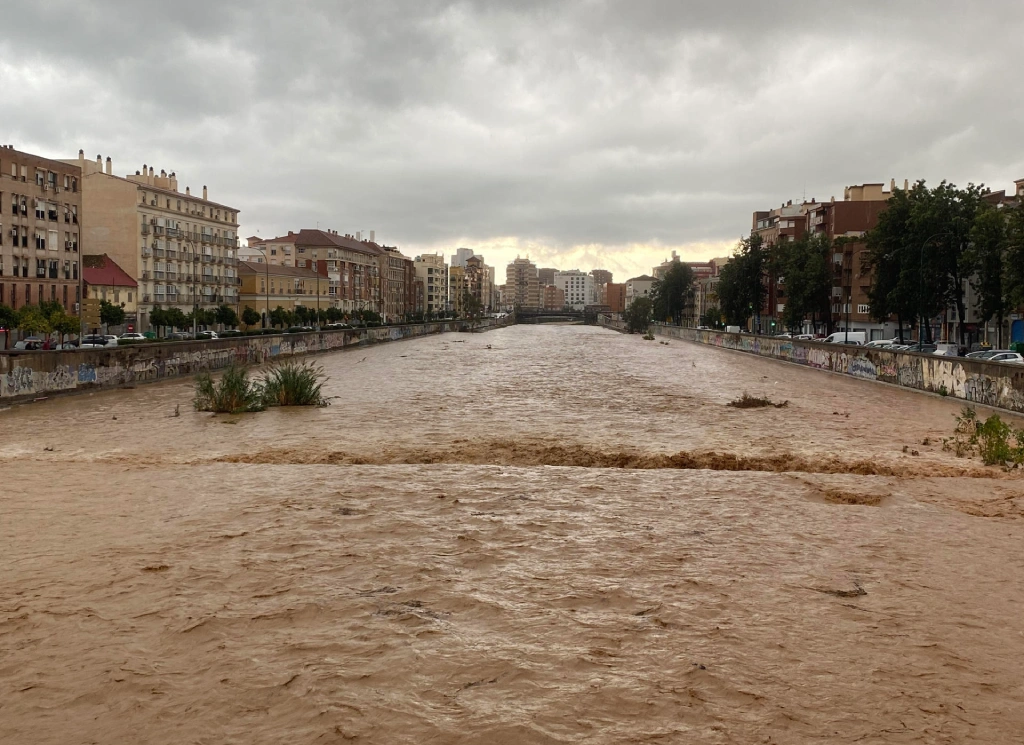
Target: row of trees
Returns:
[[806, 265], [930, 244], [47, 318]]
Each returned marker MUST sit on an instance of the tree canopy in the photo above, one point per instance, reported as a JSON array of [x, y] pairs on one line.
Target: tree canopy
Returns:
[[672, 295]]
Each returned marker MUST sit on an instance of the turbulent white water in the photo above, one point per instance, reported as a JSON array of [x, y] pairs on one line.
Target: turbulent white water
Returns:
[[536, 535]]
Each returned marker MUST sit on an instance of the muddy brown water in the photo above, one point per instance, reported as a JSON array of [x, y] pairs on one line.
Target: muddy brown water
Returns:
[[535, 535]]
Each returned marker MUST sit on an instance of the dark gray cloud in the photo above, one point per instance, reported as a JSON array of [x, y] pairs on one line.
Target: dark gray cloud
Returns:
[[590, 130]]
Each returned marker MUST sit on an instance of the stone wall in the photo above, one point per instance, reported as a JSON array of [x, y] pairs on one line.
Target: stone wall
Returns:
[[990, 383], [28, 375]]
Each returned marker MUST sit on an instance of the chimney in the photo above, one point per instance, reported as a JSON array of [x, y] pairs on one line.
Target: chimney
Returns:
[[81, 159], [289, 232], [151, 173], [188, 192], [204, 193], [174, 181], [373, 236], [359, 235], [906, 184], [99, 162], [110, 166], [892, 184]]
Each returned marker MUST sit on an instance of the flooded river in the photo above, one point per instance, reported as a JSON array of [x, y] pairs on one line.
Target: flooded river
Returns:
[[539, 534]]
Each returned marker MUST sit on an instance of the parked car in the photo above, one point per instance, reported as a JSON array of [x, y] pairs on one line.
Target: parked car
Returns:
[[95, 341], [1013, 357], [919, 347], [844, 337], [206, 335], [297, 329], [985, 354], [228, 332], [111, 340], [880, 343], [946, 349], [132, 336], [699, 328], [179, 336], [805, 337], [30, 343]]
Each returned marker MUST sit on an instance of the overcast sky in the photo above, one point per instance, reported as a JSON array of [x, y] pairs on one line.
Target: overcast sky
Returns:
[[583, 134]]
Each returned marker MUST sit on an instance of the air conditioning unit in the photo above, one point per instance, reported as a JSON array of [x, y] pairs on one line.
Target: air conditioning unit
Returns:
[[14, 232], [153, 203], [46, 187]]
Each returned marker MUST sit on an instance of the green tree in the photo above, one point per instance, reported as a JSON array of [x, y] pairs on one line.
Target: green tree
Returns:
[[8, 321], [805, 266], [333, 315], [226, 316], [33, 322], [638, 315], [177, 318], [672, 295], [1013, 263], [65, 324], [712, 317], [741, 288], [280, 317], [250, 317], [158, 319], [894, 258], [472, 308], [302, 315], [110, 314], [987, 252]]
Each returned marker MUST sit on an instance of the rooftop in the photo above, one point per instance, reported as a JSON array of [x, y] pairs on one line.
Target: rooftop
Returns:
[[104, 271]]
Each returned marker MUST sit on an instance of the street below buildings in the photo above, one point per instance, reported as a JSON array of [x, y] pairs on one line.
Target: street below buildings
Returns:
[[539, 534]]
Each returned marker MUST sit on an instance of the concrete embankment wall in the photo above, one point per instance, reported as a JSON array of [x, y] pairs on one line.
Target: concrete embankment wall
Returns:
[[28, 375], [989, 383]]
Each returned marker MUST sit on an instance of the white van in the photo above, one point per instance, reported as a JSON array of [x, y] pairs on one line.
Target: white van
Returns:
[[846, 337]]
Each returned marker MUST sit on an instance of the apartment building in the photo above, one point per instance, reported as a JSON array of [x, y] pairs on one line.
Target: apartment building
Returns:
[[457, 288], [615, 296], [553, 298], [546, 276], [845, 223], [280, 286], [40, 227], [638, 287], [179, 247], [354, 266], [578, 288], [433, 273], [399, 276], [706, 292], [522, 288]]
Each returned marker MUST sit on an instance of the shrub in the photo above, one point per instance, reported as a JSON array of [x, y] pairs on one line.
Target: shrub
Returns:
[[234, 393], [995, 441], [294, 384], [746, 401]]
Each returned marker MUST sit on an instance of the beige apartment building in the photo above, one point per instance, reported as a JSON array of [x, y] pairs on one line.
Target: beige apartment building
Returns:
[[180, 247], [522, 288], [354, 266], [40, 208], [433, 273], [280, 286]]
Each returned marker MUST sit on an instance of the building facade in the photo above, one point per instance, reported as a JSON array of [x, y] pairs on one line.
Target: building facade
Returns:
[[553, 298], [638, 287], [521, 285], [578, 288], [40, 228], [433, 273], [179, 247], [103, 279], [615, 296], [286, 287], [354, 267]]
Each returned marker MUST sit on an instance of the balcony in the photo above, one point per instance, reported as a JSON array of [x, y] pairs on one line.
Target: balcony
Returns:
[[145, 228], [146, 252], [159, 253], [145, 275]]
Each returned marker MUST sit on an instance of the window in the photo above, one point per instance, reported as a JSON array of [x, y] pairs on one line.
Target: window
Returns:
[[40, 209], [40, 272], [40, 241], [28, 294], [52, 267]]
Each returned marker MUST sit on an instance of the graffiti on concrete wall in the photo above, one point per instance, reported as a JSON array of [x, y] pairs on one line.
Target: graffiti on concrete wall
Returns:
[[22, 376], [982, 382]]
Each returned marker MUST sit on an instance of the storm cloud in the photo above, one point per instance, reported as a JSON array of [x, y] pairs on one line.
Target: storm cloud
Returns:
[[584, 133]]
